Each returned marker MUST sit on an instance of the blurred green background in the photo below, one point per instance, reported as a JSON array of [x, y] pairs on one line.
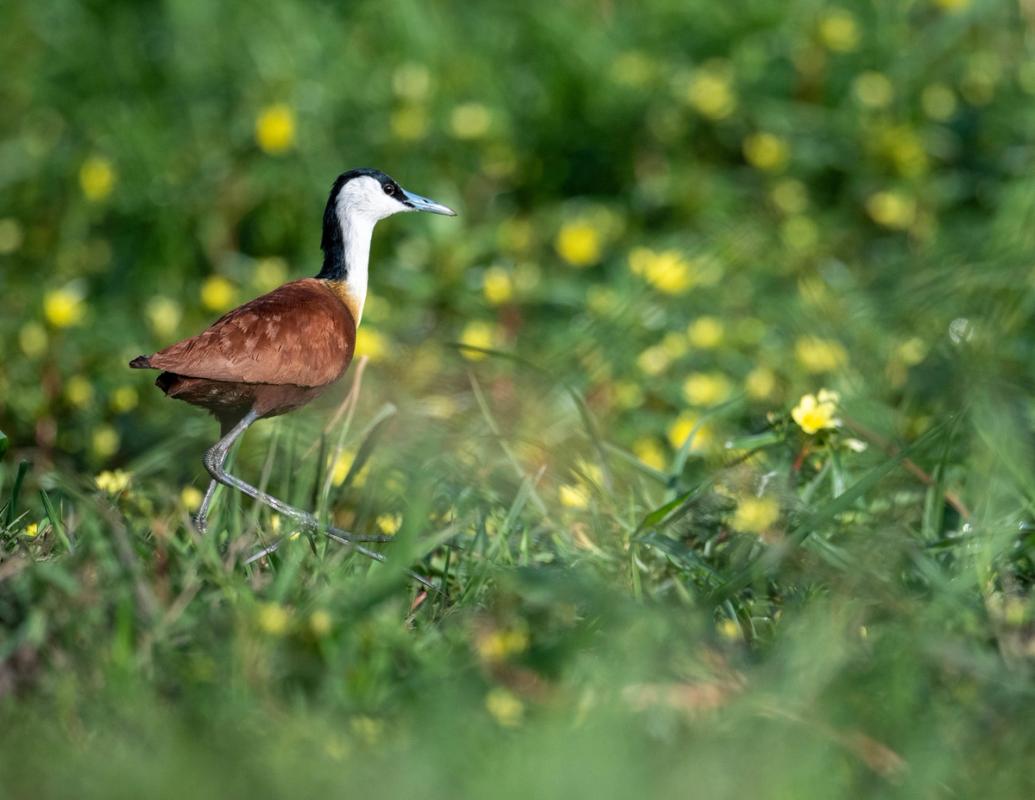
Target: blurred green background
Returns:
[[711, 412]]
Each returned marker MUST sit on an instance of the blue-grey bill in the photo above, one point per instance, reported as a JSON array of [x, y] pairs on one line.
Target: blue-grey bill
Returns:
[[418, 203]]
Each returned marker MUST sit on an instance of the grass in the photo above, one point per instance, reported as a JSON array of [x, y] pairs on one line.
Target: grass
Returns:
[[592, 409]]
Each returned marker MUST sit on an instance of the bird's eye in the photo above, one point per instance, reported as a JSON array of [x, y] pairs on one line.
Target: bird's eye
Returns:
[[389, 189]]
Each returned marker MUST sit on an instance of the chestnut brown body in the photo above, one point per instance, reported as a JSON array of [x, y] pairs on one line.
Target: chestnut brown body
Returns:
[[271, 355]]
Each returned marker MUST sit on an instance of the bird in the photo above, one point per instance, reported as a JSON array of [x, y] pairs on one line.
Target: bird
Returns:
[[282, 350]]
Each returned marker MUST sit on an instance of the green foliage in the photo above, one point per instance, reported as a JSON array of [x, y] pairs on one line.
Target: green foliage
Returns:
[[710, 414]]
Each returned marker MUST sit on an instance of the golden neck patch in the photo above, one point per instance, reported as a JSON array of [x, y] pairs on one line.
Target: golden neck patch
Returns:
[[352, 303]]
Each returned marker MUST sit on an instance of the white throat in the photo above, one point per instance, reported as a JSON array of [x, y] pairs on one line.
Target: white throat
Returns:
[[357, 229]]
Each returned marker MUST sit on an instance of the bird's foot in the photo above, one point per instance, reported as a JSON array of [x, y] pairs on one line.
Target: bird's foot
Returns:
[[201, 524]]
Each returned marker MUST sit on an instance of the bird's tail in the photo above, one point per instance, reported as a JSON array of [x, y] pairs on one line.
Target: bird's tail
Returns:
[[141, 362]]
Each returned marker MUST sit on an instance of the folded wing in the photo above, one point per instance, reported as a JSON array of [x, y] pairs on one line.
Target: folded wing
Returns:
[[300, 334]]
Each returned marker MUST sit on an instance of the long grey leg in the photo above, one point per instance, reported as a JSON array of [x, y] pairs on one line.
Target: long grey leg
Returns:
[[216, 457], [201, 518]]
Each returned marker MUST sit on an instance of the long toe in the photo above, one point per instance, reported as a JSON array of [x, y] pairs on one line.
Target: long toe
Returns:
[[201, 524]]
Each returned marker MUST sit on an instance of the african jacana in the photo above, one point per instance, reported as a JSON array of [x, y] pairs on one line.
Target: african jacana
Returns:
[[279, 351]]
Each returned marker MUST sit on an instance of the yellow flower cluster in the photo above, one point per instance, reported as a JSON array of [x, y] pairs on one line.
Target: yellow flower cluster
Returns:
[[478, 334], [505, 708], [389, 524], [892, 209], [706, 388], [275, 128], [766, 151], [705, 333], [501, 644], [497, 285], [164, 314], [217, 293], [816, 354], [579, 242], [665, 270], [650, 452], [470, 121], [756, 514], [373, 344], [710, 91], [97, 178], [273, 619], [63, 308], [683, 426], [817, 412], [838, 31], [191, 498], [113, 481]]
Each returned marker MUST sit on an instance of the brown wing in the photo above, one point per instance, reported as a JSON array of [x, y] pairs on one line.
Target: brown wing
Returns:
[[300, 334]]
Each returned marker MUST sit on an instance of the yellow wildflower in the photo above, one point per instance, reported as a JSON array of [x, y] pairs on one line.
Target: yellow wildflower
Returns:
[[32, 530], [217, 293], [164, 315], [573, 496], [892, 209], [706, 388], [838, 31], [123, 399], [705, 333], [96, 178], [505, 708], [78, 391], [389, 524], [342, 465], [579, 243], [112, 481], [667, 271], [273, 619], [649, 452], [63, 308], [873, 89], [729, 629], [756, 514], [477, 334], [470, 121], [819, 355], [32, 338], [683, 426], [501, 644], [269, 273], [320, 623], [373, 344], [654, 360], [766, 151], [275, 128], [710, 91], [760, 383], [497, 285], [191, 498], [105, 441], [815, 413]]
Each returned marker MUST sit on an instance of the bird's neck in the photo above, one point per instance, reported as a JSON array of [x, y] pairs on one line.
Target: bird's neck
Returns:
[[346, 260]]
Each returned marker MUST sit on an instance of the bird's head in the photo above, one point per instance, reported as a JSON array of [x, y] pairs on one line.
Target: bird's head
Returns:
[[368, 195]]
